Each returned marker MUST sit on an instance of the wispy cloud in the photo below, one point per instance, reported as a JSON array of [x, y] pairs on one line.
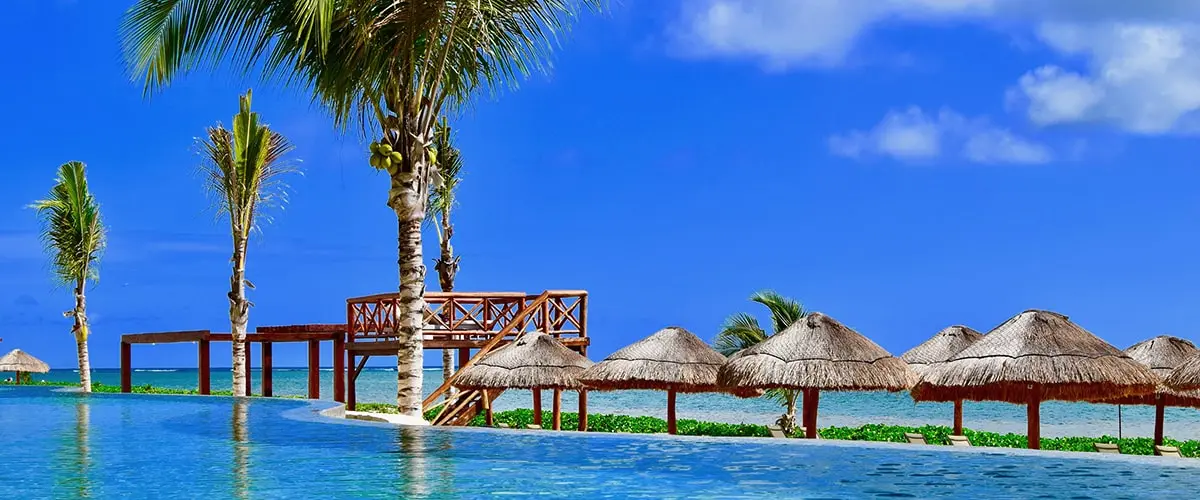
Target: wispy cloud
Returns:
[[915, 136]]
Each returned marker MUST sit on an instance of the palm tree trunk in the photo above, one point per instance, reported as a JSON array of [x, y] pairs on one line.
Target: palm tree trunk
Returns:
[[80, 329], [239, 315], [791, 406], [447, 267]]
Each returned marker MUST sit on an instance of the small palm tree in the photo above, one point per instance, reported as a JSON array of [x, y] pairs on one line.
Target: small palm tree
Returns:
[[742, 330], [243, 170], [74, 238], [442, 200]]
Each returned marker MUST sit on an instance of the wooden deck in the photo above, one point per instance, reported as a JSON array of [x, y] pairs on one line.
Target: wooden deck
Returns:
[[472, 323]]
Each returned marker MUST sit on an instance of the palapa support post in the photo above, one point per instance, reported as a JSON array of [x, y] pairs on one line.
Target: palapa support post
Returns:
[[339, 374], [671, 429], [537, 407], [558, 409], [126, 369], [487, 407], [204, 370], [1159, 411], [267, 389], [583, 424], [812, 398], [314, 369], [958, 420], [1033, 415]]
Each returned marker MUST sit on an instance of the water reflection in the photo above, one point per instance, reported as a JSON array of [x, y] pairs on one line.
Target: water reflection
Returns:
[[77, 454], [241, 448], [412, 462]]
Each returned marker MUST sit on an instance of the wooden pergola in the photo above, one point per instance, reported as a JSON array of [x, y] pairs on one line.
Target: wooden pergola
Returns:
[[266, 336], [473, 323]]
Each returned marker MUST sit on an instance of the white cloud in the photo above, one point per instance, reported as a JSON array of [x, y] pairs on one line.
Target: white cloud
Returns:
[[1141, 59], [915, 136], [1142, 78]]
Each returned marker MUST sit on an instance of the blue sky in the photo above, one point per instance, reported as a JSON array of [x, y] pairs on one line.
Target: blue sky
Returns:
[[901, 165]]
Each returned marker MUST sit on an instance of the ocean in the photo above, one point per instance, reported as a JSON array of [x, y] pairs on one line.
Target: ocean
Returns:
[[837, 408]]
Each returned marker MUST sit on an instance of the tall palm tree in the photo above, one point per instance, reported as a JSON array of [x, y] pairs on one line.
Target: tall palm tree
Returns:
[[391, 66], [442, 200], [74, 238], [742, 330], [243, 170]]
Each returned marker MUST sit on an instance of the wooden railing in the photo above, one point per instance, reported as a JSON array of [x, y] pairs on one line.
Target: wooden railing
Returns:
[[470, 316], [515, 325]]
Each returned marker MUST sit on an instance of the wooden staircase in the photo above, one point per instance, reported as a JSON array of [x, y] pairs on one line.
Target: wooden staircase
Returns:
[[464, 406]]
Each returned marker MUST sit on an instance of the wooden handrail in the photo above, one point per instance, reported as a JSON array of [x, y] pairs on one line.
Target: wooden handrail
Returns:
[[529, 308]]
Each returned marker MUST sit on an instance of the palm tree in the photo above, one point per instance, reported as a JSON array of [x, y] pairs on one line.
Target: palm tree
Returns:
[[391, 66], [243, 170], [74, 238], [442, 200], [742, 330]]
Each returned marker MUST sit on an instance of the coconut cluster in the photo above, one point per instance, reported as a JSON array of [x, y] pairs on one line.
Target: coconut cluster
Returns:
[[383, 157]]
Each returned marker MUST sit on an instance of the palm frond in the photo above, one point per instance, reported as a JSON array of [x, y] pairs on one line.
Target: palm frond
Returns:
[[784, 310], [244, 169], [443, 198], [738, 332], [72, 230]]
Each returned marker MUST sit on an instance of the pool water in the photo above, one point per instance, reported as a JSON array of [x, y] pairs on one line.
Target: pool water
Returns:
[[56, 444]]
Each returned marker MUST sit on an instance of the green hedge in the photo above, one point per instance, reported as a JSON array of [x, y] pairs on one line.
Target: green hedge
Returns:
[[935, 434]]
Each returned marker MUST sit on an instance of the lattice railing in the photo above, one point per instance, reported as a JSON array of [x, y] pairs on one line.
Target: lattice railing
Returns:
[[472, 316]]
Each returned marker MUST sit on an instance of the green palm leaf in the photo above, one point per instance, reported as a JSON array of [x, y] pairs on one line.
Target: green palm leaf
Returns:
[[72, 231]]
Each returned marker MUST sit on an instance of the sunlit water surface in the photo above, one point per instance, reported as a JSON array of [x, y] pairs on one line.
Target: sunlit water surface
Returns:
[[64, 445]]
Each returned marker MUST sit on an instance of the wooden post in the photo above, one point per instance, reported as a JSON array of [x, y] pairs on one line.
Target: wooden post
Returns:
[[1032, 414], [204, 369], [958, 417], [487, 407], [350, 380], [671, 429], [558, 409], [267, 390], [314, 369], [812, 399], [537, 407], [249, 370], [126, 379], [464, 353], [583, 411], [339, 374], [1159, 410]]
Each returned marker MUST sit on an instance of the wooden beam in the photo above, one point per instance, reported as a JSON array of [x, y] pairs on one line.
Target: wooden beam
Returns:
[[1033, 419], [350, 376], [671, 429], [267, 389], [126, 368], [249, 372], [583, 423], [204, 385], [537, 407], [382, 348], [164, 337], [309, 328], [273, 337], [557, 409]]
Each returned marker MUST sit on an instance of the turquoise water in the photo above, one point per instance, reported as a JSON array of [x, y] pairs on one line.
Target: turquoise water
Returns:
[[1058, 419], [65, 445]]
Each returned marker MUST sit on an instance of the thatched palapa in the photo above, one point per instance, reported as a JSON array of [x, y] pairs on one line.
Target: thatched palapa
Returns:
[[533, 361], [672, 360], [1186, 375], [21, 362], [813, 354], [1033, 357], [940, 349], [1161, 355]]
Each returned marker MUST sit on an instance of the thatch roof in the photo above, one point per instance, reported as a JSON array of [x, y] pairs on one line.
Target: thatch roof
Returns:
[[940, 348], [817, 352], [532, 361], [19, 361], [1038, 351], [1162, 354], [671, 359]]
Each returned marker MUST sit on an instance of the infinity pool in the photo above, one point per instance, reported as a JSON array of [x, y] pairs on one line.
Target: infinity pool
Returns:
[[57, 444]]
